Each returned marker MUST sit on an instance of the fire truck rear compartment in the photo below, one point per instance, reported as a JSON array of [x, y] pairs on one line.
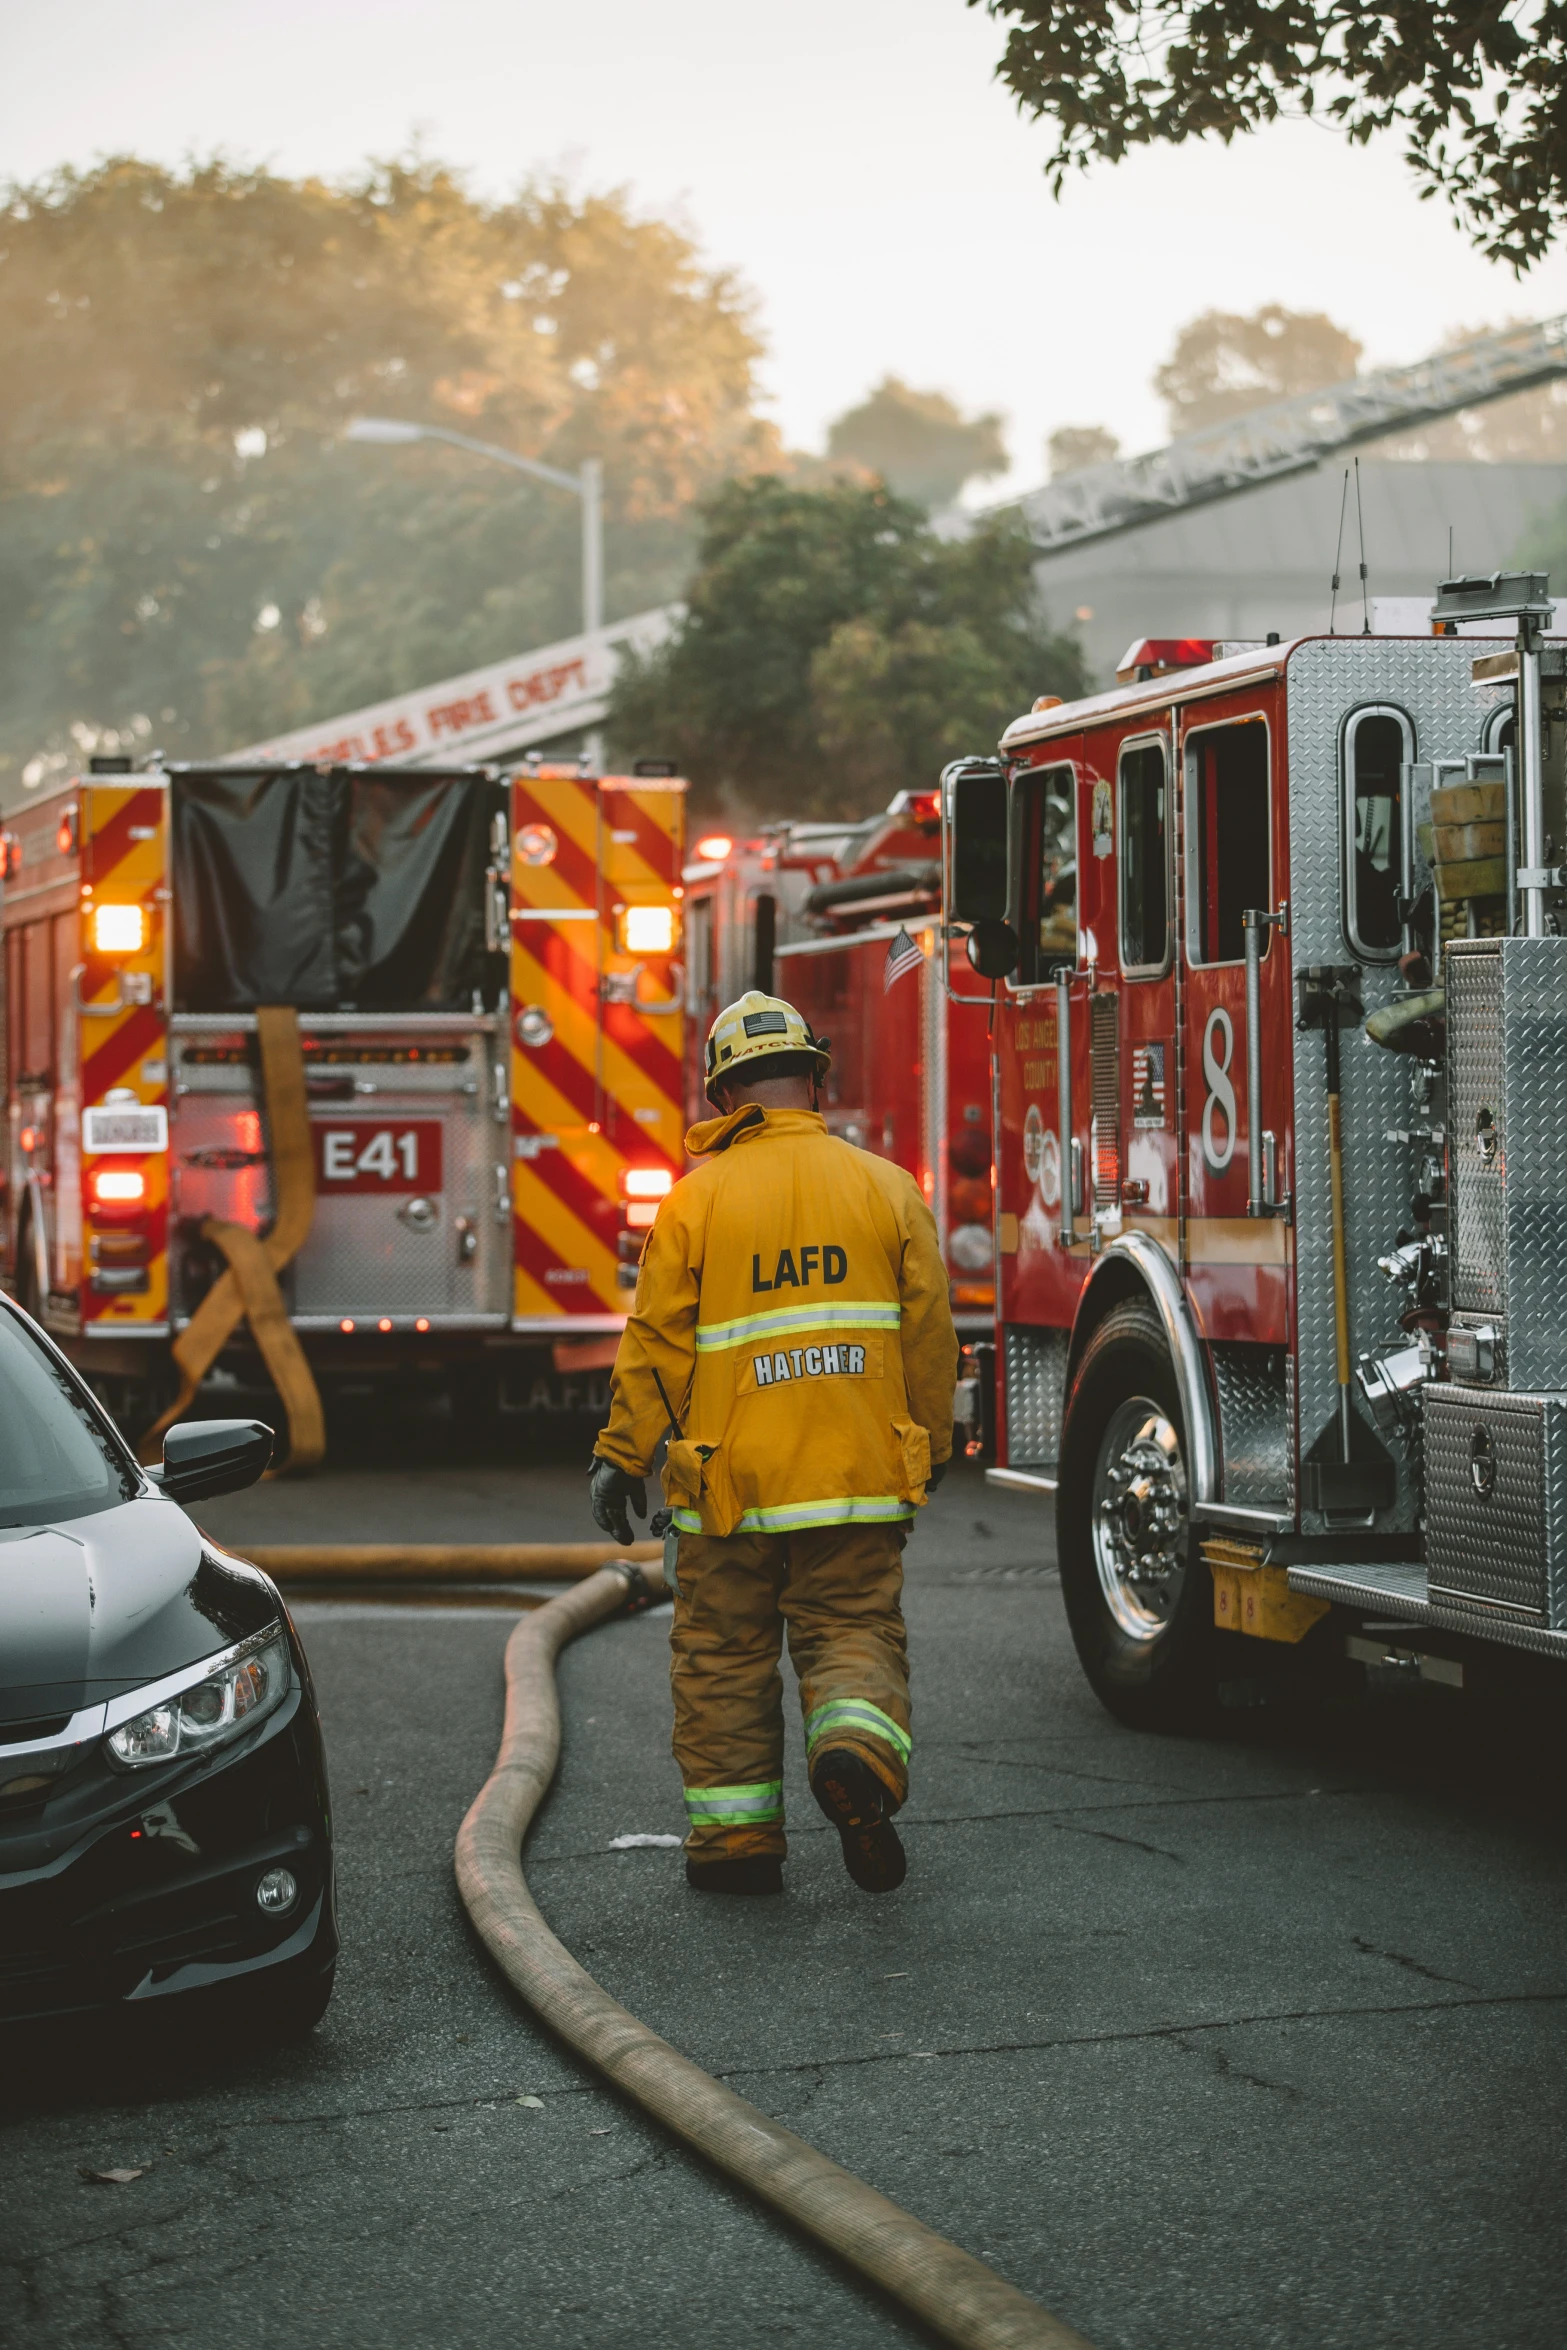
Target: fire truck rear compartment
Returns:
[[412, 1221]]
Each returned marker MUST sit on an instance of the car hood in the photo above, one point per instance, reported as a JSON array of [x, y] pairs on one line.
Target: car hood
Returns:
[[91, 1607]]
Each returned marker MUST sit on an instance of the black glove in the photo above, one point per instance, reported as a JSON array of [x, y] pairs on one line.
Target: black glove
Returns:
[[609, 1490], [938, 1470]]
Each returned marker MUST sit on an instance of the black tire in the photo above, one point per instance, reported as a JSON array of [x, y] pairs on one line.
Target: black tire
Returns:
[[1149, 1648]]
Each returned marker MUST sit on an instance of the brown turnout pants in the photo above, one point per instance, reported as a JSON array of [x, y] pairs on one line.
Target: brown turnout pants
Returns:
[[837, 1589]]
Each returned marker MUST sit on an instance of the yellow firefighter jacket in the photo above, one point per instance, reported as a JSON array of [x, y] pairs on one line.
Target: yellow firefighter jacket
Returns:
[[793, 1301]]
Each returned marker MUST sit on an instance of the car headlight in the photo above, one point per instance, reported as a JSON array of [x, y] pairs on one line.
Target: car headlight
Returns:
[[213, 1702]]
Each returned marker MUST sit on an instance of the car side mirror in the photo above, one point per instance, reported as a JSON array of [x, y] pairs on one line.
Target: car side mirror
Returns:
[[975, 800], [993, 949], [204, 1457]]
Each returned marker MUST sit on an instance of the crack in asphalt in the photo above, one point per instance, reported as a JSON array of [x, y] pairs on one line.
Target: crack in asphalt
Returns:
[[1171, 2031], [1219, 2063], [908, 1820], [1412, 1965], [1108, 1836]]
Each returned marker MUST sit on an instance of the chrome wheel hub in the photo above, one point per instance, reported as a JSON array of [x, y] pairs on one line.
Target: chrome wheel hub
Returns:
[[1140, 1518]]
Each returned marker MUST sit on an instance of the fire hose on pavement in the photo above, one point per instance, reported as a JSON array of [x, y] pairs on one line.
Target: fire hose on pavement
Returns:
[[247, 1291], [960, 2299]]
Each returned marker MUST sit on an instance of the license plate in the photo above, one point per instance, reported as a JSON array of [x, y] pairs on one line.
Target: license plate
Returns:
[[377, 1154]]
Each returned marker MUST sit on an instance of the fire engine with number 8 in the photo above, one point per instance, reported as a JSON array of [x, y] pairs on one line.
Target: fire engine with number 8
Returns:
[[1279, 1061]]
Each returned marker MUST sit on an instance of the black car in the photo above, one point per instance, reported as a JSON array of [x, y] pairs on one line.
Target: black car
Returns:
[[164, 1822]]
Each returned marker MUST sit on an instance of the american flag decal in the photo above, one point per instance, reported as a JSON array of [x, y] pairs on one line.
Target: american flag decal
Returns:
[[902, 956]]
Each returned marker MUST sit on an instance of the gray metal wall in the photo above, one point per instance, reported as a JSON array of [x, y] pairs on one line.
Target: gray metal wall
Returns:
[[1264, 559]]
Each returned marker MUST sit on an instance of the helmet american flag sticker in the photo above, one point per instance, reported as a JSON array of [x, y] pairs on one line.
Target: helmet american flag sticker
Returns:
[[903, 955]]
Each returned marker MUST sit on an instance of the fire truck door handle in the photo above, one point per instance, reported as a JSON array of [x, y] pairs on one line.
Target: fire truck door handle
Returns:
[[1256, 923], [1071, 1158], [132, 987], [497, 912], [620, 987]]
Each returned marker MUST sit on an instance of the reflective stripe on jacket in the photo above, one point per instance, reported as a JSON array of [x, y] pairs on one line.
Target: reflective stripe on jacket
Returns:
[[793, 1301]]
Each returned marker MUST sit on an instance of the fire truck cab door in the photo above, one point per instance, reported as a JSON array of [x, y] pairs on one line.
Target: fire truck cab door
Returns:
[[1131, 803], [1233, 861]]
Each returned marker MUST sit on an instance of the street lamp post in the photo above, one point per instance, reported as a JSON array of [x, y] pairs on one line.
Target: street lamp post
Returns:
[[587, 483]]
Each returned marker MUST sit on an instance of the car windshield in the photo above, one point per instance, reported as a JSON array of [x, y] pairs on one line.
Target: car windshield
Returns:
[[56, 1459]]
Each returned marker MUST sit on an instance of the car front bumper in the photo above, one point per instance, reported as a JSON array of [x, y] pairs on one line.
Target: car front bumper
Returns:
[[143, 1886]]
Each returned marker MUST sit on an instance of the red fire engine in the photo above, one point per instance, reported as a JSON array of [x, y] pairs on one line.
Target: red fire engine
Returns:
[[813, 912], [412, 1037], [1280, 1075]]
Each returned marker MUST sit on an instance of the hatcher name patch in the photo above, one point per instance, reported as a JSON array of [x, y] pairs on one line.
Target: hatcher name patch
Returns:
[[856, 1359]]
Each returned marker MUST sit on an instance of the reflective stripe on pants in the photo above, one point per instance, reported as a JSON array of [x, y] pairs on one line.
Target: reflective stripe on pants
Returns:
[[739, 1807], [835, 1590]]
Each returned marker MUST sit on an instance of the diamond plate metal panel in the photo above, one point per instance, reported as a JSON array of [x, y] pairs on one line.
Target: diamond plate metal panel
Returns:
[[1254, 1442], [1496, 1500], [1476, 1092], [1507, 1056], [1400, 1591], [1327, 679], [1035, 1371], [1395, 1589]]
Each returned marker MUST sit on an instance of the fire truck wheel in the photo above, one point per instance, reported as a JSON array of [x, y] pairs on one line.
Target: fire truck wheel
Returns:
[[1139, 1605]]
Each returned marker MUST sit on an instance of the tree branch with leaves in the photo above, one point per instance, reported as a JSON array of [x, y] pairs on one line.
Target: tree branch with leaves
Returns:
[[1478, 87]]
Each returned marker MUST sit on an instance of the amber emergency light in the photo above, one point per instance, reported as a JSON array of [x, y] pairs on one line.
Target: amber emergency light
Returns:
[[647, 930], [644, 1188], [119, 929]]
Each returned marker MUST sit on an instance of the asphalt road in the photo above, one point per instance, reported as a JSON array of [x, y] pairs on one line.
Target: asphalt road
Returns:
[[1245, 2043]]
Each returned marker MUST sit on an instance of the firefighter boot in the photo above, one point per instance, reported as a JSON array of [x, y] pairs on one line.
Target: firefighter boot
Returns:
[[753, 1872], [855, 1801]]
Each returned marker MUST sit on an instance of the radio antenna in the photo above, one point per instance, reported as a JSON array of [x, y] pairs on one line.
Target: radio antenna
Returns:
[[1360, 513], [1338, 554]]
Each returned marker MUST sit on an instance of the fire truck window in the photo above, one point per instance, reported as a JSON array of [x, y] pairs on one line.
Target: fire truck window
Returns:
[[37, 1054], [701, 978], [1376, 743], [766, 939], [1145, 860], [1049, 913], [1228, 769]]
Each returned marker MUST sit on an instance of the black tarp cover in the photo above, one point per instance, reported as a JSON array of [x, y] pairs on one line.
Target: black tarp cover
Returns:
[[343, 890]]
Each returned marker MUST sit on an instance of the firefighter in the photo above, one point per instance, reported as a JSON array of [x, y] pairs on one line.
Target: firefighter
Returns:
[[792, 1335]]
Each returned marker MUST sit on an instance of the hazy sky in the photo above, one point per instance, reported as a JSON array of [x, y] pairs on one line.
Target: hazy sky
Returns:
[[853, 160]]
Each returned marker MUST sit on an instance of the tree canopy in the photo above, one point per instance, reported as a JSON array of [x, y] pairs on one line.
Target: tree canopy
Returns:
[[1224, 364], [190, 554], [919, 443], [1072, 448], [1478, 87], [835, 650]]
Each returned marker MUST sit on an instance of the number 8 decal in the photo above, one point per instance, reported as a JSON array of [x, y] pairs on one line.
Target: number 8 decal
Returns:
[[1221, 1093]]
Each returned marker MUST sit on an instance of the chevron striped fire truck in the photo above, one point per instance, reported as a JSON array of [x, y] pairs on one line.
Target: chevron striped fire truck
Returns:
[[428, 1023]]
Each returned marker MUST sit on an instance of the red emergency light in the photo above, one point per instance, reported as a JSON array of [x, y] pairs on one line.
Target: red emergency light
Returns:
[[923, 807], [713, 848], [118, 1187], [1156, 656]]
